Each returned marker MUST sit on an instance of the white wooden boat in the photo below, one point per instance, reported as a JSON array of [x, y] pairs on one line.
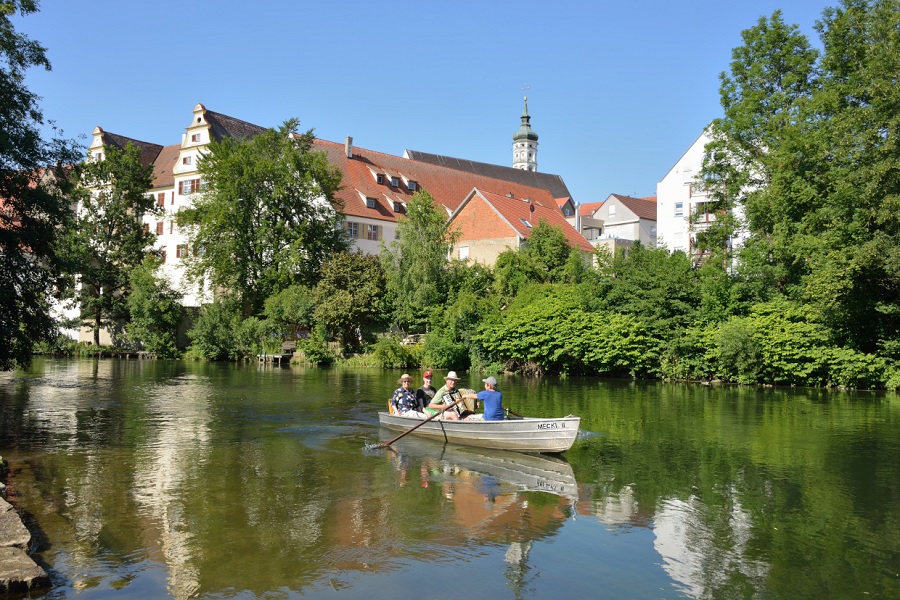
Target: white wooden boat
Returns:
[[525, 434]]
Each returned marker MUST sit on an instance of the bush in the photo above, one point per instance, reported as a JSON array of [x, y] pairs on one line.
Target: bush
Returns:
[[441, 351], [213, 336], [736, 352], [391, 354]]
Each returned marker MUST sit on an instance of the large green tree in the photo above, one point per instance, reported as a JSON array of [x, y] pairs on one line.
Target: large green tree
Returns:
[[415, 264], [155, 310], [108, 239], [808, 147], [350, 297], [31, 211], [267, 218]]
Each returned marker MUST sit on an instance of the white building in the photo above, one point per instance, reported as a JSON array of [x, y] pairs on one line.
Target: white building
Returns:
[[678, 196]]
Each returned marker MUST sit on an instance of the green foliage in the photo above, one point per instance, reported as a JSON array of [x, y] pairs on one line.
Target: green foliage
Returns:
[[416, 263], [441, 350], [350, 298], [106, 241], [736, 351], [550, 333], [659, 288], [34, 207], [389, 353], [805, 147], [291, 310], [156, 311], [267, 219], [315, 350], [213, 334]]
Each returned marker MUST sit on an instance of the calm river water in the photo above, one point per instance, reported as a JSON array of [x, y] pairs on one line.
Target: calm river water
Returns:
[[191, 480]]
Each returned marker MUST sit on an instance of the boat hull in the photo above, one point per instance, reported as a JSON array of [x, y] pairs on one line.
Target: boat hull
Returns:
[[522, 435]]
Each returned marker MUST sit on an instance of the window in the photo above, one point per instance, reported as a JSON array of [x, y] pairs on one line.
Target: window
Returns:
[[195, 137], [352, 229], [145, 228], [395, 182], [379, 178], [186, 160], [527, 224], [567, 211], [161, 199], [188, 187], [370, 202], [679, 209], [181, 250], [463, 252], [159, 228], [372, 232], [412, 185], [398, 207]]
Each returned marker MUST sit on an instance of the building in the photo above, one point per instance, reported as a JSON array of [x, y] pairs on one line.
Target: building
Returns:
[[375, 187], [491, 223]]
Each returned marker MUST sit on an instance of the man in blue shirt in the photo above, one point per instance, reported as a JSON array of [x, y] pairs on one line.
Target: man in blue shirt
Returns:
[[492, 400]]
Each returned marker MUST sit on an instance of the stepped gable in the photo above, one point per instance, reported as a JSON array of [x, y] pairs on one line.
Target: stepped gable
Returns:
[[518, 212], [547, 181], [643, 208], [149, 151], [449, 187], [163, 166], [222, 126]]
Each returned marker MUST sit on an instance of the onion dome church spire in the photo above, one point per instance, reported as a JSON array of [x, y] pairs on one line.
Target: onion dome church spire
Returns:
[[525, 142]]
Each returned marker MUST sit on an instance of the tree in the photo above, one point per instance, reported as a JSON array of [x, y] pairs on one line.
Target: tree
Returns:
[[808, 147], [291, 309], [349, 297], [415, 265], [548, 251], [108, 240], [31, 213], [268, 217], [155, 310]]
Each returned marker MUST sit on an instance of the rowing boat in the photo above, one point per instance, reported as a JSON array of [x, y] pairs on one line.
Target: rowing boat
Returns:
[[524, 434]]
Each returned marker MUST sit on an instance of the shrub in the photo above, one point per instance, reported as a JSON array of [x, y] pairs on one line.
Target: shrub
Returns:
[[390, 353]]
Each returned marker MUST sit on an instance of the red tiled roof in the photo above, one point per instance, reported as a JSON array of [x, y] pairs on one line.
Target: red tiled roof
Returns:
[[588, 209], [643, 208], [164, 165], [522, 214], [448, 186]]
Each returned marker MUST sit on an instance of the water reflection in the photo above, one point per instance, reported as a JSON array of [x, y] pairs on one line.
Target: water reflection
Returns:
[[154, 479]]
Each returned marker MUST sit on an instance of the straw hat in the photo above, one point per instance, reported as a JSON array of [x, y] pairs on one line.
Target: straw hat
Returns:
[[452, 375]]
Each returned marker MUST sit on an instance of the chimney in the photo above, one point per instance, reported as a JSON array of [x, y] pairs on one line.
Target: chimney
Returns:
[[348, 147]]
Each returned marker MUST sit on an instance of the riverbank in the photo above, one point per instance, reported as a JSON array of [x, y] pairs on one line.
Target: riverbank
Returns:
[[19, 574]]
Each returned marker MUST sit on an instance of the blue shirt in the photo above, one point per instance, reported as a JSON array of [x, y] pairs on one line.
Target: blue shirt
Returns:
[[493, 405]]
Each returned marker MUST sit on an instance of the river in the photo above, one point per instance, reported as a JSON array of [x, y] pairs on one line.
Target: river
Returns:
[[155, 479]]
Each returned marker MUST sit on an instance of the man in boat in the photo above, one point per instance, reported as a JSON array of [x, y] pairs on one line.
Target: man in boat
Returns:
[[492, 399], [448, 394], [404, 399], [425, 394]]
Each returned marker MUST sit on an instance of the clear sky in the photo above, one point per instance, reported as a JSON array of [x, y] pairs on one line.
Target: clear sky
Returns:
[[617, 91]]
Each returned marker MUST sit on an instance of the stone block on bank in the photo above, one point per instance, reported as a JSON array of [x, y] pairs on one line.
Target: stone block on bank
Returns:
[[19, 574], [12, 532]]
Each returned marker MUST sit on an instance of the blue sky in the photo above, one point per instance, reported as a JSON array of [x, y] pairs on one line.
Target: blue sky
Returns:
[[617, 90]]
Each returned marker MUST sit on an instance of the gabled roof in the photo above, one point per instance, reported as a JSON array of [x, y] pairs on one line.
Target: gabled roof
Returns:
[[163, 166], [560, 202], [522, 214], [149, 150], [552, 183], [643, 208], [222, 126], [448, 186], [588, 209]]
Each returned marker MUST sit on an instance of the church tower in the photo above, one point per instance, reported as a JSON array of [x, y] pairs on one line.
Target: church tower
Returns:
[[525, 143]]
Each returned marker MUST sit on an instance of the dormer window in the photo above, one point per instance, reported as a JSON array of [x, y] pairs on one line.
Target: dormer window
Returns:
[[380, 178], [398, 207], [395, 182], [525, 221], [370, 202], [412, 185]]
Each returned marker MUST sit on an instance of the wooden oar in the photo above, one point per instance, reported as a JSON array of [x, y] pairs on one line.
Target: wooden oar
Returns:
[[411, 429], [512, 412]]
